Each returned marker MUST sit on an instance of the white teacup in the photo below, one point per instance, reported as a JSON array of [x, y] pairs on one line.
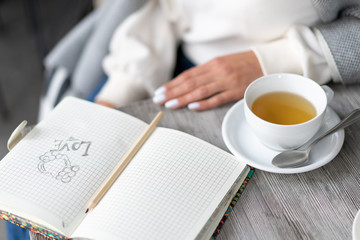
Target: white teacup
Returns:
[[283, 137]]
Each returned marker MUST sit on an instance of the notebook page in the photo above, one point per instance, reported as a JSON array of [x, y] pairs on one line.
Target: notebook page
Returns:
[[64, 159], [168, 191]]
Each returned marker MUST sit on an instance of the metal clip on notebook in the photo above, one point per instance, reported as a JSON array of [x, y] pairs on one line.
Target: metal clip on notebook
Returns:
[[16, 135]]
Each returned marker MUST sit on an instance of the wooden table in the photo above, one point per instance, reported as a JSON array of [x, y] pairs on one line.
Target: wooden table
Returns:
[[320, 204]]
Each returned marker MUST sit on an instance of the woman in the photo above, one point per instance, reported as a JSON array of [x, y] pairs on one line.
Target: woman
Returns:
[[231, 43]]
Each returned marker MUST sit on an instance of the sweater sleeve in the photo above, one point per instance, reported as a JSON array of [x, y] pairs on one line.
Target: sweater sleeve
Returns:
[[298, 51], [142, 54], [340, 40], [327, 51]]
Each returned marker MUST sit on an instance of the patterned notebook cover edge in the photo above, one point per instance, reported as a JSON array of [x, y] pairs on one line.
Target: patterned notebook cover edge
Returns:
[[29, 225], [232, 204]]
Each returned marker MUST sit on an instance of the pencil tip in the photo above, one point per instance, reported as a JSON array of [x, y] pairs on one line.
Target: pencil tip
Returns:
[[87, 210]]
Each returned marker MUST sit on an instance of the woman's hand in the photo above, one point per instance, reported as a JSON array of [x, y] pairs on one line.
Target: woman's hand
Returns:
[[219, 81]]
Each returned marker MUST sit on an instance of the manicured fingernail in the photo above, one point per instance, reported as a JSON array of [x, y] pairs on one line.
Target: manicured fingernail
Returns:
[[158, 98], [160, 90], [171, 103], [193, 105]]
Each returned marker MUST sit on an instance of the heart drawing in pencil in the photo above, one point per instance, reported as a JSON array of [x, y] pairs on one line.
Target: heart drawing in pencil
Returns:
[[57, 165]]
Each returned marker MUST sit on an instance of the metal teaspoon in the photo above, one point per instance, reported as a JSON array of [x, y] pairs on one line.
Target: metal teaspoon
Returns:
[[295, 158]]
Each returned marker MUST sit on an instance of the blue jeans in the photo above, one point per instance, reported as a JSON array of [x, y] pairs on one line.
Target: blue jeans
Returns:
[[14, 232]]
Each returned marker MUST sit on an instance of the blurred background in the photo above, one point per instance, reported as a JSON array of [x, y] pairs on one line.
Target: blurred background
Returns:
[[28, 31]]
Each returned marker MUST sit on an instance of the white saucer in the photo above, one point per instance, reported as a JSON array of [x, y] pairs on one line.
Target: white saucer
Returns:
[[356, 227], [247, 147]]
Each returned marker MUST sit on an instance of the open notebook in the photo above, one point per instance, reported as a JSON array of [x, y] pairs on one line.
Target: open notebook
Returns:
[[176, 187]]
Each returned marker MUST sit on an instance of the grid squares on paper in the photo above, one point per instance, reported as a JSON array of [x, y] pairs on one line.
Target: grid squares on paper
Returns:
[[163, 193], [111, 133]]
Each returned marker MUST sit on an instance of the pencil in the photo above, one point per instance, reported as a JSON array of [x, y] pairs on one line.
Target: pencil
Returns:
[[124, 162]]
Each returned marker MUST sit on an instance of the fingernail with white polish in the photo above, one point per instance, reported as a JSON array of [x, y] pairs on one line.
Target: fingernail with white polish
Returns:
[[160, 90], [158, 98], [193, 105], [171, 103]]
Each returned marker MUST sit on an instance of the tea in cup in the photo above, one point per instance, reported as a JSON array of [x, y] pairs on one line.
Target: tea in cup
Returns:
[[285, 110]]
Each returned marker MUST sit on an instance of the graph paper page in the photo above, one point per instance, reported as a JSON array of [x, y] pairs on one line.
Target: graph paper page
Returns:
[[60, 164], [168, 191]]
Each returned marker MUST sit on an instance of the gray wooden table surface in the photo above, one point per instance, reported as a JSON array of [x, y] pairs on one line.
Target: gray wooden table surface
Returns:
[[320, 204]]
